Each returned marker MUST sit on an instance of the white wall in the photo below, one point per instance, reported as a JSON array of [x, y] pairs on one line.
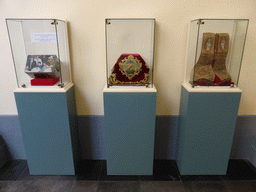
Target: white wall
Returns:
[[87, 45]]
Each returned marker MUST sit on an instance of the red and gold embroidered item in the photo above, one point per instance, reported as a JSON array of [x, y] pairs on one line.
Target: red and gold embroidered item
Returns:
[[130, 69], [222, 77], [210, 69], [203, 72]]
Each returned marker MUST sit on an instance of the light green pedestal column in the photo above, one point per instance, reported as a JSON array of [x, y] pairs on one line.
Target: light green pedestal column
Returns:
[[49, 129], [129, 119], [206, 128]]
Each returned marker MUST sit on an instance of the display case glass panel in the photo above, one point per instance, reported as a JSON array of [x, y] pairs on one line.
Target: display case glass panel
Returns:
[[215, 52], [130, 52], [40, 52]]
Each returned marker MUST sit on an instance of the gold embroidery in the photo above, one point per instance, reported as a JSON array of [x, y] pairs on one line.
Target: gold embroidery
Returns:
[[114, 81], [130, 66]]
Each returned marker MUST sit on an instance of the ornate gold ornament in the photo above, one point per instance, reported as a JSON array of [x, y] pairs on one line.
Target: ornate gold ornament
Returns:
[[130, 70], [114, 81], [130, 66]]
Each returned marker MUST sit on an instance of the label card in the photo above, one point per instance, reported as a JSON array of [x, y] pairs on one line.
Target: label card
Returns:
[[43, 37]]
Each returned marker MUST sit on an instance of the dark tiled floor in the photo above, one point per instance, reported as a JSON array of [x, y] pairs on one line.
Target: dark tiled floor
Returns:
[[239, 169], [92, 176], [105, 177], [12, 170], [89, 170]]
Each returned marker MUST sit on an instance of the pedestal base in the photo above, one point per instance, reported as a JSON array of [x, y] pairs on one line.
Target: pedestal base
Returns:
[[48, 125], [129, 118], [206, 128]]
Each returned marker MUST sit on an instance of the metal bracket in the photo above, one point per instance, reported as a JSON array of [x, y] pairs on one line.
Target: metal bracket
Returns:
[[200, 22], [107, 22], [61, 85], [54, 22]]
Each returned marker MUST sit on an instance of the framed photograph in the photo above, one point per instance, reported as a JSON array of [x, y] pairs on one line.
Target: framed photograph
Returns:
[[42, 66]]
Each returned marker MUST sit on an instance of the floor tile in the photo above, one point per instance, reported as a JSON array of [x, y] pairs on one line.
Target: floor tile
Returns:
[[119, 178], [89, 170], [42, 186], [88, 186], [209, 186], [108, 187], [246, 186], [239, 169], [128, 186], [164, 170], [163, 186], [200, 178], [157, 178], [13, 169], [92, 176], [120, 186], [105, 177], [26, 176], [62, 186], [6, 186]]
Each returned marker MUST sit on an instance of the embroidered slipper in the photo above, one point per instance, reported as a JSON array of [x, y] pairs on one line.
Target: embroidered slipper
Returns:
[[203, 72], [222, 77]]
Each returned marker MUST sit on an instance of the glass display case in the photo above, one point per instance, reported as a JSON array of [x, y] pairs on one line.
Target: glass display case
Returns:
[[215, 52], [40, 52], [130, 52]]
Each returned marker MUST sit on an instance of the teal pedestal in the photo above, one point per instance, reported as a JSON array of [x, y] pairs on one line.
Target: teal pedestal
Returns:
[[49, 129], [206, 127], [129, 119]]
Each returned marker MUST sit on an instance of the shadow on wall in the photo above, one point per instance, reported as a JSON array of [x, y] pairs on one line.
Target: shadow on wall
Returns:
[[244, 142], [165, 137], [11, 133], [92, 137], [5, 155]]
